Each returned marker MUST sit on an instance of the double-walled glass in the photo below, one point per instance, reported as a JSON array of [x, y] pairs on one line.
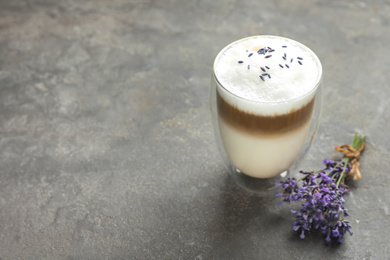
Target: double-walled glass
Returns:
[[257, 147]]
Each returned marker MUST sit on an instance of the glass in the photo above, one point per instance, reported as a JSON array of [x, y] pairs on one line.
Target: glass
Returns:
[[258, 149]]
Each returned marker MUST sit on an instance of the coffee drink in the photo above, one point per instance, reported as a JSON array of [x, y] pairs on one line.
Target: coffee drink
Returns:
[[265, 90]]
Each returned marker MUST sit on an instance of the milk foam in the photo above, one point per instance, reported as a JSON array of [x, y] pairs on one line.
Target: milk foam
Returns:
[[288, 88]]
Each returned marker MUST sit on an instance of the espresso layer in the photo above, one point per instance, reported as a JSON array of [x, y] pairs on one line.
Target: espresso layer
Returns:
[[265, 125]]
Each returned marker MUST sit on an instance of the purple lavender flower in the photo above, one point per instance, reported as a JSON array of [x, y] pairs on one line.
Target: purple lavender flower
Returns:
[[321, 194]]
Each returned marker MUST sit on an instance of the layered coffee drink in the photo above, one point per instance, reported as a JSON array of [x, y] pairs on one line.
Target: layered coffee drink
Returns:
[[265, 90]]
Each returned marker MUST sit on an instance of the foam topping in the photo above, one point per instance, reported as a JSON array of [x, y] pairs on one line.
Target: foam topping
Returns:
[[267, 69]]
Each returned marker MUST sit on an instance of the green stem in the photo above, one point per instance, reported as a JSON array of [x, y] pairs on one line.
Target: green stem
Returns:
[[342, 174]]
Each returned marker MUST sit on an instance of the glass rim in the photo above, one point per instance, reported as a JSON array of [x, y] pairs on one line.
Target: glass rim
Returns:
[[313, 90]]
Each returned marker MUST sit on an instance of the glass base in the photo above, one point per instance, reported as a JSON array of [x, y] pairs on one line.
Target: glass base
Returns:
[[256, 184]]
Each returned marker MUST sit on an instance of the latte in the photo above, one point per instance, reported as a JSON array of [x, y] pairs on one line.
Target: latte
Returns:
[[266, 90]]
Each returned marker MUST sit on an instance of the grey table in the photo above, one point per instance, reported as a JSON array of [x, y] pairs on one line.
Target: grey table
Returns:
[[106, 146]]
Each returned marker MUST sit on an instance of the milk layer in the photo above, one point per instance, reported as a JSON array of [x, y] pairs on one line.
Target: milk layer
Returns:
[[262, 156]]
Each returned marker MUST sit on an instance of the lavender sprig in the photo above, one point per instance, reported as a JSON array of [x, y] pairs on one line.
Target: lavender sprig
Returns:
[[322, 192]]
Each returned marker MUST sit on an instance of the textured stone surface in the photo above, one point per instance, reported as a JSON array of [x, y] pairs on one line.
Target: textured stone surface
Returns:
[[106, 147]]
